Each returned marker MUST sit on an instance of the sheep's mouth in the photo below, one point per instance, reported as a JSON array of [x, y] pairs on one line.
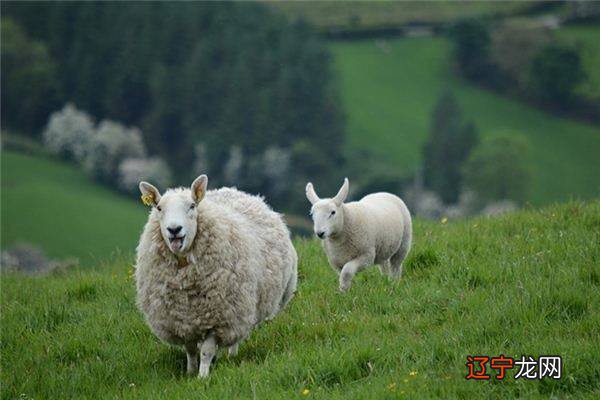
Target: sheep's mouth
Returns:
[[176, 242]]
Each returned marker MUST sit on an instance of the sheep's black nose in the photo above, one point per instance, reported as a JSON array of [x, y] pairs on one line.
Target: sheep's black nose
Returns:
[[320, 234], [175, 230]]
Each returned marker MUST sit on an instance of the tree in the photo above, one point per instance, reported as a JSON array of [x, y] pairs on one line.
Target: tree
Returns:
[[448, 146], [28, 80], [496, 170], [555, 73], [514, 46], [224, 75], [471, 48], [69, 133]]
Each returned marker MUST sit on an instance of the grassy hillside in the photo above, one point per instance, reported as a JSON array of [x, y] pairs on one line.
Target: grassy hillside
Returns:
[[357, 15], [57, 207], [524, 284], [390, 87]]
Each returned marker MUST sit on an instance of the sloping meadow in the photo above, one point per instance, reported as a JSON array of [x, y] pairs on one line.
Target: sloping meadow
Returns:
[[521, 284]]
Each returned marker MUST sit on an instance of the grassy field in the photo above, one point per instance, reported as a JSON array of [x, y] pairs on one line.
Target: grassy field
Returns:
[[356, 15], [522, 284], [587, 38], [389, 89], [57, 207]]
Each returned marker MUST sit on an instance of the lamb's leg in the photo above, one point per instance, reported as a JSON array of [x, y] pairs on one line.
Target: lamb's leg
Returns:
[[351, 268], [192, 358], [207, 353]]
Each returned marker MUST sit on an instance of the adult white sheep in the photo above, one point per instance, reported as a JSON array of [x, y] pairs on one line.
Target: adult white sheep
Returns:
[[375, 230], [210, 268]]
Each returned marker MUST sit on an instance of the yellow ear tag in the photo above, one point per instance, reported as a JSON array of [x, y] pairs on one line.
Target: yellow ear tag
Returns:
[[147, 199]]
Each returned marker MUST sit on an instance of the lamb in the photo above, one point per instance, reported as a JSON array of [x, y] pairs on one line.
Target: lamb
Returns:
[[211, 266], [375, 230]]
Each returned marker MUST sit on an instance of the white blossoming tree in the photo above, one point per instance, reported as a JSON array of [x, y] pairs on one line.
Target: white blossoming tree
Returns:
[[112, 144], [134, 170], [69, 133]]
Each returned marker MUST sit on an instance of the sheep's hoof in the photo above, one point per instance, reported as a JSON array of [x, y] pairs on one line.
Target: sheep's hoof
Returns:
[[344, 288], [233, 350]]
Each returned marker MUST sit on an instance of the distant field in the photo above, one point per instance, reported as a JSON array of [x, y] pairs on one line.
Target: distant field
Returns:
[[57, 207], [356, 15], [587, 37], [389, 88], [522, 284]]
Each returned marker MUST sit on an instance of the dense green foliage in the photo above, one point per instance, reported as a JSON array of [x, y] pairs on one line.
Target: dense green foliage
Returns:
[[471, 48], [556, 72], [389, 89], [56, 207], [219, 75], [447, 148], [497, 170], [29, 89], [585, 37], [532, 64], [522, 284]]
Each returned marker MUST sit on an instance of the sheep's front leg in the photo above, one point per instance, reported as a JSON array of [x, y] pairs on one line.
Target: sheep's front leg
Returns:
[[350, 269], [192, 358], [207, 353]]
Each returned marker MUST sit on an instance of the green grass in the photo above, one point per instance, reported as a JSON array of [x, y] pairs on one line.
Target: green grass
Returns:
[[389, 94], [357, 15], [587, 38], [522, 284], [55, 206]]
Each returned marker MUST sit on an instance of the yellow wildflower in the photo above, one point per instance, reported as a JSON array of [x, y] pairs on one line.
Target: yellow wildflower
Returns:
[[305, 392], [147, 199], [444, 220], [413, 373]]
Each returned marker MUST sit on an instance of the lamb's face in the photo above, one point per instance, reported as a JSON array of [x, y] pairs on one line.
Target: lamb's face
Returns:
[[327, 214], [178, 220], [177, 212], [328, 218]]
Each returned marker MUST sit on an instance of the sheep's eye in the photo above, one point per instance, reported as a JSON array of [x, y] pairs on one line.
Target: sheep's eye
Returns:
[[192, 206], [333, 212], [158, 208]]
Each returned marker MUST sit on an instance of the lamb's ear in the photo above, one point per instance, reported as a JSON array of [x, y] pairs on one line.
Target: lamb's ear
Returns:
[[199, 188], [340, 197], [310, 193], [150, 194]]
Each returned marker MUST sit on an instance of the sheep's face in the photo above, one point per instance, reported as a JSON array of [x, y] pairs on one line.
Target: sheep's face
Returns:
[[177, 213], [327, 214], [328, 218]]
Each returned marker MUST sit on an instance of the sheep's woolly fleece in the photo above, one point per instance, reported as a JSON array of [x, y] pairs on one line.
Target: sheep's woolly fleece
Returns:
[[242, 271]]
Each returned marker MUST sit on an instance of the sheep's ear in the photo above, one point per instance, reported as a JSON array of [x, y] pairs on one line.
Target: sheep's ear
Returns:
[[343, 193], [199, 188], [310, 193], [150, 194]]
